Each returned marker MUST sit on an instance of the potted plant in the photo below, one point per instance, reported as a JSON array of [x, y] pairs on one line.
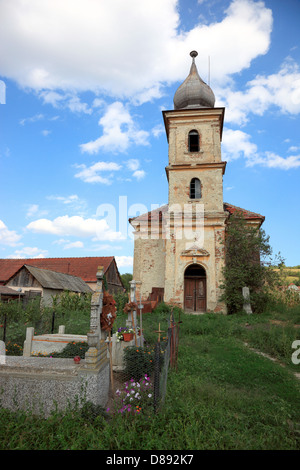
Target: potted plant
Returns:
[[125, 333]]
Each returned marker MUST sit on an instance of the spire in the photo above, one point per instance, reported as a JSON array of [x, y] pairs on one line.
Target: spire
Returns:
[[194, 92]]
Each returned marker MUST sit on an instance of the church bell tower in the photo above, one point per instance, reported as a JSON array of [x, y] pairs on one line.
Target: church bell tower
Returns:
[[194, 253]]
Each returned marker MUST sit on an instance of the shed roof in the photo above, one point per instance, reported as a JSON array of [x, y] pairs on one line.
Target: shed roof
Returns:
[[86, 268], [60, 281], [4, 290]]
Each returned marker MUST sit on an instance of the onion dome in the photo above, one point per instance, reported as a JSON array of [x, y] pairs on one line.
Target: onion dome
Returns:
[[194, 92]]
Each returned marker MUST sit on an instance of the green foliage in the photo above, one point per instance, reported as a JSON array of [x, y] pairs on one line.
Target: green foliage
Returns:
[[247, 263], [91, 412], [223, 396], [126, 278], [138, 362], [121, 299], [13, 349], [70, 310], [72, 350], [70, 301]]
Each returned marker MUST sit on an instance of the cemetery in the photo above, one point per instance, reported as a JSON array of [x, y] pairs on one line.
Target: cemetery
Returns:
[[41, 384]]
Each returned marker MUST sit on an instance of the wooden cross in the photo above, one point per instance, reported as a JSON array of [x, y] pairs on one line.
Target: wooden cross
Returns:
[[159, 331]]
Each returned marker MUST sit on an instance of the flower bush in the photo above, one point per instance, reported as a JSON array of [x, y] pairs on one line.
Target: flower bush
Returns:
[[140, 360], [13, 349], [121, 331], [136, 397]]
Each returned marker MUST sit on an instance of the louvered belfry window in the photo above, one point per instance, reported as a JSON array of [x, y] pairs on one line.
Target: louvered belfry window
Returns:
[[195, 189]]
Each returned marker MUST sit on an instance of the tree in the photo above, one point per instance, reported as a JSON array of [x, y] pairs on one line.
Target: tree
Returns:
[[126, 278], [247, 263]]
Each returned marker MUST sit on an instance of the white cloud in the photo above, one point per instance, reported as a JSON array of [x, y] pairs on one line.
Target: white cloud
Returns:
[[122, 261], [76, 226], [36, 117], [70, 245], [73, 45], [32, 210], [293, 148], [8, 237], [73, 198], [134, 165], [93, 173], [272, 160], [119, 131], [281, 89], [158, 130], [29, 252], [66, 100], [139, 174], [237, 144]]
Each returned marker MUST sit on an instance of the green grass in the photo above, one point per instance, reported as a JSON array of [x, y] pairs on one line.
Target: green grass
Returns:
[[222, 395]]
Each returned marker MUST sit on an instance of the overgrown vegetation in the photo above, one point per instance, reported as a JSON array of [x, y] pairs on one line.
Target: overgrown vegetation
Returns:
[[126, 278], [223, 395], [248, 263], [69, 309]]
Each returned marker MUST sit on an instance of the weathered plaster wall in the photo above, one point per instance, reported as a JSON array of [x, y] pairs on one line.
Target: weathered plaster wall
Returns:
[[209, 255], [149, 264]]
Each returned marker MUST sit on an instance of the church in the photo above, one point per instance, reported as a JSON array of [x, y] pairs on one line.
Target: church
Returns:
[[179, 248]]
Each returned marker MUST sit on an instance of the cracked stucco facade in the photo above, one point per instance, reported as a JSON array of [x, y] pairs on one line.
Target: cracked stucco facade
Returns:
[[189, 231]]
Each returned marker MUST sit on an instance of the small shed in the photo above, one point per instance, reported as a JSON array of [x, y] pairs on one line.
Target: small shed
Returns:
[[7, 294], [85, 268], [36, 281]]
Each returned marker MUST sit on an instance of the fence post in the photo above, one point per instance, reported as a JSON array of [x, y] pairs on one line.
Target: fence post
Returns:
[[28, 342], [4, 327], [156, 376]]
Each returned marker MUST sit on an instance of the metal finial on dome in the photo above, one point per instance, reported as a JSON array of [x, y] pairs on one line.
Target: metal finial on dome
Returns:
[[194, 92]]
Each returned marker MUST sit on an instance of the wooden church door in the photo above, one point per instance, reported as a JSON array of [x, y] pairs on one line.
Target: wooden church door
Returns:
[[195, 294]]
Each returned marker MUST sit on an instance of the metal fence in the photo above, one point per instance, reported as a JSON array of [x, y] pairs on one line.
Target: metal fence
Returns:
[[146, 368]]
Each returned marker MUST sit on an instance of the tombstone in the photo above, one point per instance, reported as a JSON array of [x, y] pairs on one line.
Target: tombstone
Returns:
[[2, 352], [131, 319], [247, 306], [96, 354]]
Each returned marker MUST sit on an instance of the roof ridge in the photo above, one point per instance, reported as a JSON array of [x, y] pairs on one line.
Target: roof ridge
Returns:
[[57, 257], [50, 270]]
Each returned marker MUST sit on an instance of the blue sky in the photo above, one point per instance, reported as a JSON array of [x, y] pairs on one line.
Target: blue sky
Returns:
[[83, 86]]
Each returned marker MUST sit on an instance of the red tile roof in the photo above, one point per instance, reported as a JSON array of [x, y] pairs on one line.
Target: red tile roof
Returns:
[[157, 214], [247, 214], [85, 268]]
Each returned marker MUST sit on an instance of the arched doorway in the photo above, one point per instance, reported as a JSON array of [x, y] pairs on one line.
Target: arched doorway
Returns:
[[195, 288]]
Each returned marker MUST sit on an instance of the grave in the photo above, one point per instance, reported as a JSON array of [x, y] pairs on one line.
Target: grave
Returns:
[[246, 295], [47, 344], [118, 347], [44, 384]]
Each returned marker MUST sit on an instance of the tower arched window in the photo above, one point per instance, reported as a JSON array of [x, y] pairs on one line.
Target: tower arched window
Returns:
[[194, 144], [195, 189]]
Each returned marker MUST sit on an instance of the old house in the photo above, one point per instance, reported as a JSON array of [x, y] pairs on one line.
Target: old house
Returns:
[[33, 281], [85, 268], [178, 248]]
